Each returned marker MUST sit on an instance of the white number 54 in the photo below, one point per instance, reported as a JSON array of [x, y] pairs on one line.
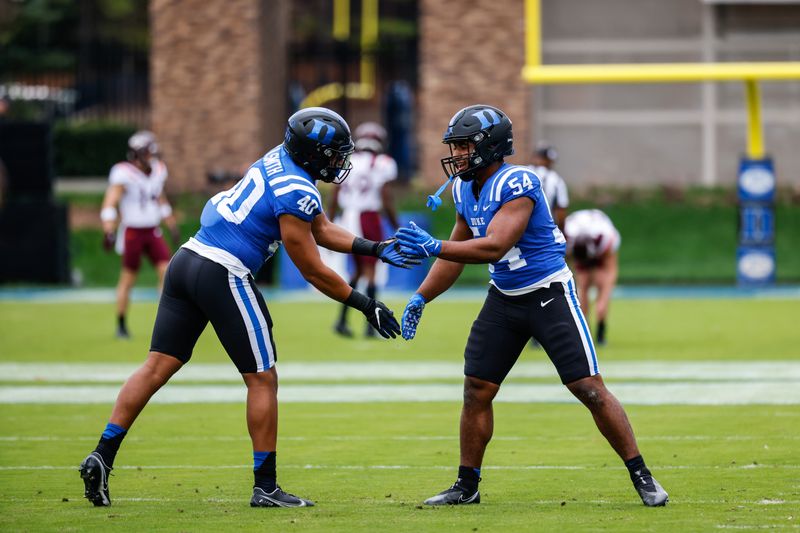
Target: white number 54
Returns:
[[518, 187]]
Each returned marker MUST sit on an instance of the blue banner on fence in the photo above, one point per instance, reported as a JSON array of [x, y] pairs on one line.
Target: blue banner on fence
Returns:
[[756, 180], [755, 265], [755, 255]]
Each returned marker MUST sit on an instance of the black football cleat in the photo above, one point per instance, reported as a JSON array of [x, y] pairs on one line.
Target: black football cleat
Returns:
[[455, 495], [341, 329], [95, 480], [277, 498], [651, 492], [122, 333]]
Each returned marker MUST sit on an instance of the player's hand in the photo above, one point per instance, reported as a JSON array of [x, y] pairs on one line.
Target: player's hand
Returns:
[[412, 315], [389, 252], [382, 319], [416, 242], [109, 239]]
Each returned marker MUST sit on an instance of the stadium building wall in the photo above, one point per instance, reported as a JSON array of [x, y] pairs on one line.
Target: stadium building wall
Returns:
[[620, 134], [471, 52], [218, 70]]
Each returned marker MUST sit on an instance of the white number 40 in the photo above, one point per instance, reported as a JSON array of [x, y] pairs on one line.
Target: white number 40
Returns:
[[307, 204]]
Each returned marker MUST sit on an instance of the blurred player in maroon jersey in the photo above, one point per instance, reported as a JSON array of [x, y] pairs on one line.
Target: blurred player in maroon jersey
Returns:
[[362, 199], [592, 244], [137, 187]]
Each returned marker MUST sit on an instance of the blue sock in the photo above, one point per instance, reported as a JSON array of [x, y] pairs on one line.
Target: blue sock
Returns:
[[109, 443], [264, 470]]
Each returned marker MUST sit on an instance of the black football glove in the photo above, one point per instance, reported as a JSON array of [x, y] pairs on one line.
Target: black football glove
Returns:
[[382, 319], [389, 252], [378, 315]]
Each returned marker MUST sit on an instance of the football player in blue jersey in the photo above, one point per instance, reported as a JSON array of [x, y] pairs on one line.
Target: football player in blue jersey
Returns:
[[210, 279], [502, 219]]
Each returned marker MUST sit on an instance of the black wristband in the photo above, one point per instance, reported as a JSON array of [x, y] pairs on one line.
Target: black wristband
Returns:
[[358, 301], [365, 247]]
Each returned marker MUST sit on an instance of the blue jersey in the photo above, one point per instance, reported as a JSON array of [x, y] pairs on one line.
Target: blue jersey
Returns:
[[539, 253], [243, 220]]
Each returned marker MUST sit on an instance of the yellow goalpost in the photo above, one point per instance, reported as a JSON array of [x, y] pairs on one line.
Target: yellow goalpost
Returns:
[[750, 73]]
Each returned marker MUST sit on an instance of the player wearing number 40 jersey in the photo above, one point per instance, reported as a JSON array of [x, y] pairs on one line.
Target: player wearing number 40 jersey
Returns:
[[210, 279], [503, 219]]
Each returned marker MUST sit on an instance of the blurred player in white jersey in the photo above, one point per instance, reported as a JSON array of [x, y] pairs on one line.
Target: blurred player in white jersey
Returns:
[[365, 195], [592, 243], [137, 187], [553, 185]]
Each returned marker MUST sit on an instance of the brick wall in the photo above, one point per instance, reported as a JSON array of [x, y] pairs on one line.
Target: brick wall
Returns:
[[471, 52], [218, 85]]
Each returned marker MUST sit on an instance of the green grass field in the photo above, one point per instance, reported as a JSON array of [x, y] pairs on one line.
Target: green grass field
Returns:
[[369, 464]]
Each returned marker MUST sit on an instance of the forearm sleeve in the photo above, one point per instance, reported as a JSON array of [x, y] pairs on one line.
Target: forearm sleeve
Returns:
[[365, 247]]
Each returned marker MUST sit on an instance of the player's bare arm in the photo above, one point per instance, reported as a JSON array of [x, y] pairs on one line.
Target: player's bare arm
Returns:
[[444, 273], [505, 229], [560, 215], [108, 212], [336, 238], [298, 238], [331, 236], [168, 217]]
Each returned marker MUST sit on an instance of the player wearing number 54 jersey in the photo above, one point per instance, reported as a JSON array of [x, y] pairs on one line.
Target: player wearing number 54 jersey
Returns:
[[503, 219], [210, 279]]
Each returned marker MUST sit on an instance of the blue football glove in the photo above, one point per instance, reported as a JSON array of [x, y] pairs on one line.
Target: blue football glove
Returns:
[[412, 315], [389, 252], [416, 242]]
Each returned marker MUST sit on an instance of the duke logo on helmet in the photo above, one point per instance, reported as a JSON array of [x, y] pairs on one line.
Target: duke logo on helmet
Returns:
[[481, 115], [318, 125]]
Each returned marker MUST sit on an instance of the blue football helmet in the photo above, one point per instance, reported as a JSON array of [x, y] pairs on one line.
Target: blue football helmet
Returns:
[[319, 141], [488, 128]]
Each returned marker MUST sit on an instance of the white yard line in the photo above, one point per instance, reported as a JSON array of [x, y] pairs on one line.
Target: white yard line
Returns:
[[681, 393], [411, 370], [694, 383], [395, 467]]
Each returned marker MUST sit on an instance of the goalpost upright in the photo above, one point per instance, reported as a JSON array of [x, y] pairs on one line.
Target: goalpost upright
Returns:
[[756, 254]]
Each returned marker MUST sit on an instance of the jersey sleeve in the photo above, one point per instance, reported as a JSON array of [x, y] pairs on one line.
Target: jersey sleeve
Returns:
[[119, 175], [389, 169], [519, 183], [299, 199], [162, 167]]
